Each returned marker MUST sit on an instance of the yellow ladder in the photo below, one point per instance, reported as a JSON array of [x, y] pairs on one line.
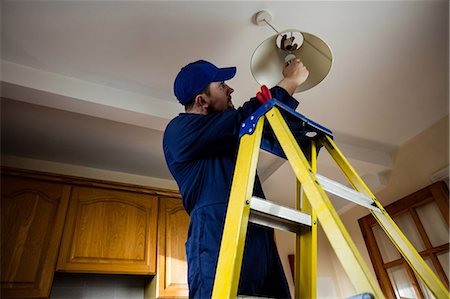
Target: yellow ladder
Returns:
[[315, 205]]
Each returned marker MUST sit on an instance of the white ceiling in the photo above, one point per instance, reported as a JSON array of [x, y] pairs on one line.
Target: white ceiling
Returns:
[[90, 83]]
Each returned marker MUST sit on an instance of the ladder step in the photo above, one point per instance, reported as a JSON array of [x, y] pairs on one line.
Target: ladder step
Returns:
[[251, 297], [345, 192], [267, 213], [362, 296]]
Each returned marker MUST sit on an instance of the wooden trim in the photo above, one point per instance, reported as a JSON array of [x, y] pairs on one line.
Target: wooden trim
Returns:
[[439, 269], [437, 191], [376, 258], [74, 180], [420, 228], [440, 193], [424, 253], [414, 281], [394, 263], [55, 240]]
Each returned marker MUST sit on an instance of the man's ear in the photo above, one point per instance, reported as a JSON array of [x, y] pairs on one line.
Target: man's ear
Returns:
[[200, 101]]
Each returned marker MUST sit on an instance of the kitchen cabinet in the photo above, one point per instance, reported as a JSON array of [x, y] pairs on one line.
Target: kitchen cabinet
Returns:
[[52, 222], [109, 231], [32, 220], [171, 278]]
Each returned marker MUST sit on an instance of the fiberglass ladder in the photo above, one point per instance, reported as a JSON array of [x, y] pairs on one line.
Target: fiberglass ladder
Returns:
[[293, 131]]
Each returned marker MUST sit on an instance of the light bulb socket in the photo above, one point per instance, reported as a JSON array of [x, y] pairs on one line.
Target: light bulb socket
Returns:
[[289, 58]]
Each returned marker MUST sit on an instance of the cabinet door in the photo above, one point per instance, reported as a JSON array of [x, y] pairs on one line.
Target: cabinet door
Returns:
[[109, 231], [172, 234], [32, 219]]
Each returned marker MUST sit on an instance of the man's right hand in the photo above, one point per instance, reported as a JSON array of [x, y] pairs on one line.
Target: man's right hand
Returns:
[[295, 73]]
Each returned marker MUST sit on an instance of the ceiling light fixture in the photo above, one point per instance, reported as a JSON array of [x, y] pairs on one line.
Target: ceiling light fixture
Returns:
[[271, 55]]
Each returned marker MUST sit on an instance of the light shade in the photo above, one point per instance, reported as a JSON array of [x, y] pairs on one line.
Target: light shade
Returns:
[[268, 60]]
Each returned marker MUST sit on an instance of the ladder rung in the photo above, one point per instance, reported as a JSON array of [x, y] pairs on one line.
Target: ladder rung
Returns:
[[251, 297], [362, 296], [267, 213], [347, 193]]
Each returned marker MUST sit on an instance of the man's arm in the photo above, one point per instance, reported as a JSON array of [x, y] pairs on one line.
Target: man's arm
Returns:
[[294, 74]]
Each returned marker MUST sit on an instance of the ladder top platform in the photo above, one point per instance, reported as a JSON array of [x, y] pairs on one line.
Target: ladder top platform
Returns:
[[303, 128]]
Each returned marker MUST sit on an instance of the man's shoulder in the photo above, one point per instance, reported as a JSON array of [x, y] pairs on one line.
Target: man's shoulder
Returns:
[[181, 124], [182, 120]]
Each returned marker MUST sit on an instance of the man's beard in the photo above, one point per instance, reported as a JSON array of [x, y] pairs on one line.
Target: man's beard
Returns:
[[212, 109], [230, 103]]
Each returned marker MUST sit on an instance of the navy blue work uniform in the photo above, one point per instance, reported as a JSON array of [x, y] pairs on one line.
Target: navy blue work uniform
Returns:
[[201, 151]]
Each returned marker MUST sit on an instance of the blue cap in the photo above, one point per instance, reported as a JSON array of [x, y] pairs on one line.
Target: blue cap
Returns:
[[196, 76]]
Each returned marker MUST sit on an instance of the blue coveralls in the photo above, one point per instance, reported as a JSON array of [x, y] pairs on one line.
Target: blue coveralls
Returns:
[[200, 151]]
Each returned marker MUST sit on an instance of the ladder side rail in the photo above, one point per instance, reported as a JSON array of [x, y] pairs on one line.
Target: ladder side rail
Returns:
[[305, 273], [406, 249], [229, 264], [345, 249]]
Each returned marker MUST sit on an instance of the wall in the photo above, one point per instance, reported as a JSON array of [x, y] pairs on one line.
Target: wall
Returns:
[[326, 279], [86, 172], [95, 286], [414, 163]]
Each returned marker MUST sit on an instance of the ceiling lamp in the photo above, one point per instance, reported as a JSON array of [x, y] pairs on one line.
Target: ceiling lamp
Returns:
[[270, 57]]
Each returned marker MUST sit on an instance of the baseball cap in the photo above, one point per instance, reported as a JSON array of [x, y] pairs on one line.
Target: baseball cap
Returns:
[[196, 76]]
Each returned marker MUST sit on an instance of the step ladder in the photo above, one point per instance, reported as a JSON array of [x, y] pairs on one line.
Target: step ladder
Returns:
[[290, 132]]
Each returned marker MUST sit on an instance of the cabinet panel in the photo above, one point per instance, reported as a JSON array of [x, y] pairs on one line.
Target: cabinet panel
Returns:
[[32, 219], [109, 231], [171, 280]]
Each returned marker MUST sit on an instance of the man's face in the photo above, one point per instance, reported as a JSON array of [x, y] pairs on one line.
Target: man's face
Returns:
[[219, 99]]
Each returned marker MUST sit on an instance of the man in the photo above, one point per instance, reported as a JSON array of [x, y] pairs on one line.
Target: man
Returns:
[[200, 147]]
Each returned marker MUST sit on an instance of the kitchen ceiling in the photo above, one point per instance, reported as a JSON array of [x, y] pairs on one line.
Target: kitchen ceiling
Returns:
[[90, 82]]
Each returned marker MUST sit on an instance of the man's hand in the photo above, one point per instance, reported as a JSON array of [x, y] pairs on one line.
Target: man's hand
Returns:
[[295, 73]]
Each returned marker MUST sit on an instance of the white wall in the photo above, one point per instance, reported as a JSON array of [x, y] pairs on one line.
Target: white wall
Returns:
[[97, 286], [415, 162], [86, 172]]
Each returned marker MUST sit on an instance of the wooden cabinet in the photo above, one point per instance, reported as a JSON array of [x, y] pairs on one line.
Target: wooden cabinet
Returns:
[[53, 222], [171, 278], [109, 231], [32, 219]]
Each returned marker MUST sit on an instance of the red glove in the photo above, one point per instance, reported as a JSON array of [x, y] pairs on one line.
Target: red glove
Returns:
[[264, 95]]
